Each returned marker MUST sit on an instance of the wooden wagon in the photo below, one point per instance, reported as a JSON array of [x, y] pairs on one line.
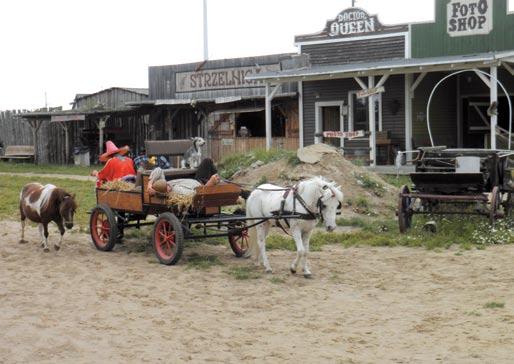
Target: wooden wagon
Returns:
[[118, 210], [458, 181]]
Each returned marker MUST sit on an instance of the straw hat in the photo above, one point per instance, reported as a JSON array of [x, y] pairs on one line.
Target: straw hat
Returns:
[[112, 149], [160, 186]]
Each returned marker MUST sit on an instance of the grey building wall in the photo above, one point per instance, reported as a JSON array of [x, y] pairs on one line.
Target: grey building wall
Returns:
[[356, 51], [337, 90], [443, 112], [162, 79]]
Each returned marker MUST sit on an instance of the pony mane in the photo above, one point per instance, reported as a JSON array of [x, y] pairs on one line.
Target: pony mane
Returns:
[[321, 181]]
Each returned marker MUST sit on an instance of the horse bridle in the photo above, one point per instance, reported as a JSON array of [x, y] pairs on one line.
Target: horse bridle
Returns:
[[319, 205], [64, 218]]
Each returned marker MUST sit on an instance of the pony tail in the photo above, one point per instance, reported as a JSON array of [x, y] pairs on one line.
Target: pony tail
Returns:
[[253, 249]]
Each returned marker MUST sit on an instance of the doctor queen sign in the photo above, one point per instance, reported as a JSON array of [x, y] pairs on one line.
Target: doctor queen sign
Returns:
[[470, 17]]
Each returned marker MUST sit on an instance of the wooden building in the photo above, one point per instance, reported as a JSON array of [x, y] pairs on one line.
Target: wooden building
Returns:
[[214, 100], [93, 119], [364, 75]]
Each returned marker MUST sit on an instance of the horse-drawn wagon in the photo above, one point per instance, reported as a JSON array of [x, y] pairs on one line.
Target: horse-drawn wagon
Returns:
[[458, 181], [118, 210]]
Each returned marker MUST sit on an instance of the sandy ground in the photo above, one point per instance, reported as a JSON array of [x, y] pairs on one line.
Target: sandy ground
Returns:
[[364, 305]]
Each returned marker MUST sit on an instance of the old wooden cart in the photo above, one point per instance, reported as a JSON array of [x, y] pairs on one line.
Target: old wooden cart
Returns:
[[117, 210], [458, 181]]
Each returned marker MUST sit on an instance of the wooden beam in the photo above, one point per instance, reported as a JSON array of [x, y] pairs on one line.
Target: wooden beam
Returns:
[[382, 81], [508, 68], [417, 82], [361, 83], [484, 79]]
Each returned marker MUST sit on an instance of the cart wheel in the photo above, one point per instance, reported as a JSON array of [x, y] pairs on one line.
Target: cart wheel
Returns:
[[103, 228], [404, 215], [168, 238], [239, 242], [495, 204]]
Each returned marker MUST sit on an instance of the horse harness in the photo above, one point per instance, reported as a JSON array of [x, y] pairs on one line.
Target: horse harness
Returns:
[[310, 215]]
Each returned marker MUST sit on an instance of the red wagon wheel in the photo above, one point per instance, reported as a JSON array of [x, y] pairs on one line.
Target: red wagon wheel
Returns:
[[168, 238], [239, 242], [404, 213], [103, 228], [495, 205]]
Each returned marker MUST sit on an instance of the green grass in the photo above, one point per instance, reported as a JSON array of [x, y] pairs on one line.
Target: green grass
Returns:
[[397, 181], [466, 233], [494, 305], [244, 273], [7, 167], [232, 163], [203, 262], [10, 187], [369, 183]]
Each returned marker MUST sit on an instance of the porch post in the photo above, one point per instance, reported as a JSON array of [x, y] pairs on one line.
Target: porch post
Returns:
[[372, 126], [101, 126], [494, 99], [300, 112], [268, 117], [270, 94], [408, 113]]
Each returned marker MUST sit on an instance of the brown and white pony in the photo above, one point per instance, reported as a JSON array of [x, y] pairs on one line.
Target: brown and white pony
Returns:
[[43, 204]]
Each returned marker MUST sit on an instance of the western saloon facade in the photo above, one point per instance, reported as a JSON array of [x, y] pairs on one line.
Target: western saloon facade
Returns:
[[216, 100], [364, 75]]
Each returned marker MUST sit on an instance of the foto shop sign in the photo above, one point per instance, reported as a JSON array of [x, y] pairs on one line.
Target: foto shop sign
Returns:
[[353, 21], [221, 79], [470, 17]]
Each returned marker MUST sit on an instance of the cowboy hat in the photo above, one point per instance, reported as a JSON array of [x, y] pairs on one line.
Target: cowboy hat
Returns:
[[112, 149]]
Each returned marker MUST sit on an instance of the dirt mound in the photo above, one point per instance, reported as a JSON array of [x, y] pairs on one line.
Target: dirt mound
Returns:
[[365, 192]]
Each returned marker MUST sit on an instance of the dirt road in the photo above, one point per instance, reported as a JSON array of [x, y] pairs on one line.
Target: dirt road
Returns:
[[396, 305]]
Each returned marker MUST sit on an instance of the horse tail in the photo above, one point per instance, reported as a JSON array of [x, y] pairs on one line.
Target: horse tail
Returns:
[[253, 249]]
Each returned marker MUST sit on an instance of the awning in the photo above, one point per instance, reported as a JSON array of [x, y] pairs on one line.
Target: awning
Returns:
[[192, 101], [395, 66], [64, 118]]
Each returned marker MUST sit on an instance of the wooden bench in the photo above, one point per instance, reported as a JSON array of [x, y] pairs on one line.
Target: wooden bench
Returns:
[[168, 148], [19, 152]]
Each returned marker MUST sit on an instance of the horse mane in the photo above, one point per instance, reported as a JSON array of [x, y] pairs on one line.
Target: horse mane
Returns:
[[59, 195], [321, 181]]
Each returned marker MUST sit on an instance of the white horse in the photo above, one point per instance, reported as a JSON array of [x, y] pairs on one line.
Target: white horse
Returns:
[[312, 199]]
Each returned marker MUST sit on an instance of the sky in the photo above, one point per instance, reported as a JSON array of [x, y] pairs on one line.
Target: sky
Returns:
[[65, 47]]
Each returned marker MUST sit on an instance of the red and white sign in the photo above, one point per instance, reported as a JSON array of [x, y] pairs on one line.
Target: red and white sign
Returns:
[[344, 134], [370, 92]]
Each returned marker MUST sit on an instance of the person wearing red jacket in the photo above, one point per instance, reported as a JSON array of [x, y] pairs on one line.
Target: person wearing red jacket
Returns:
[[118, 165]]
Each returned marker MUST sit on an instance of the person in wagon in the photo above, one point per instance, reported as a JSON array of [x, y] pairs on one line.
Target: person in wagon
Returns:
[[117, 165], [206, 175]]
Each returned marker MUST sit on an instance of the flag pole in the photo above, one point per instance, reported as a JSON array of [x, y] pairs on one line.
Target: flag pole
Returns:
[[205, 32]]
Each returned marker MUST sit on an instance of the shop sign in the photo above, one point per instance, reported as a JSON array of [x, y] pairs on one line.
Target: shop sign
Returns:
[[342, 134], [370, 92], [353, 21], [221, 79], [470, 17]]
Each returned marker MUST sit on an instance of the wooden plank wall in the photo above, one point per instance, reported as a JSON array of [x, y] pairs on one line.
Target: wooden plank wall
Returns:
[[162, 81], [219, 150], [15, 131], [110, 99]]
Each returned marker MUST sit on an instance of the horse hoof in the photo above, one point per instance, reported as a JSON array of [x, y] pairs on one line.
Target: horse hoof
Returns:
[[23, 241], [57, 247], [46, 250], [307, 275], [269, 271], [293, 271]]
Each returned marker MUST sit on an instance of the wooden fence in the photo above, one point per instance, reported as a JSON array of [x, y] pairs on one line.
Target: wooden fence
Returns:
[[220, 148]]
